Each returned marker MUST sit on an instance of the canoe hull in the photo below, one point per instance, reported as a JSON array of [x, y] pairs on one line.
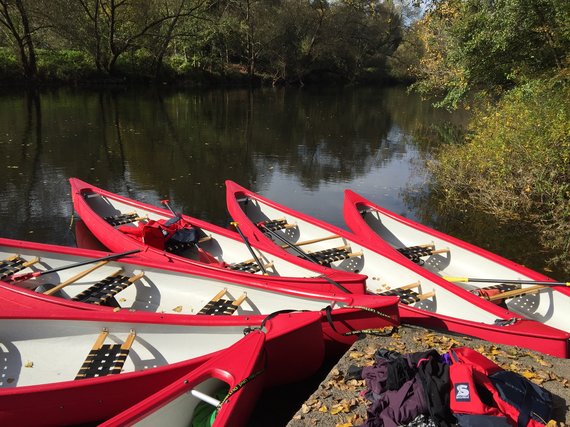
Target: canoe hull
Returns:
[[384, 229], [85, 201], [175, 405], [96, 399], [381, 312], [528, 334]]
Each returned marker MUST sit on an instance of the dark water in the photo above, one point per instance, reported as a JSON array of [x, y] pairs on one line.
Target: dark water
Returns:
[[301, 148]]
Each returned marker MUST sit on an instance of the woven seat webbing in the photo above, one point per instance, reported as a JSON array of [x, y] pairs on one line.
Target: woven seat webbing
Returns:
[[101, 292], [11, 266], [274, 224], [105, 359], [327, 256], [222, 307], [415, 252], [407, 296], [109, 359], [247, 267], [121, 219]]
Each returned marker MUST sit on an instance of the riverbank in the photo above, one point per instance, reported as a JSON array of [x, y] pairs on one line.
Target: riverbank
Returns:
[[338, 402]]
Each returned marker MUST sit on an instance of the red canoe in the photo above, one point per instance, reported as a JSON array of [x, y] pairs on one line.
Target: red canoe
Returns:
[[123, 224], [424, 299], [63, 367], [522, 290], [90, 280], [202, 393]]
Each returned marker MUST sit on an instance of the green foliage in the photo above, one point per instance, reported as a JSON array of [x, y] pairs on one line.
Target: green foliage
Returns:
[[516, 161], [64, 65], [9, 65], [490, 45]]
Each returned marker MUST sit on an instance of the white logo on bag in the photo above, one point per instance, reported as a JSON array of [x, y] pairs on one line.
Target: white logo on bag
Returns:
[[462, 392]]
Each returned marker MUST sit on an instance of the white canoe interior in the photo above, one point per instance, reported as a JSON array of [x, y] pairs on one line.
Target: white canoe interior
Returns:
[[150, 289], [42, 351], [224, 249], [448, 259], [180, 410], [384, 275]]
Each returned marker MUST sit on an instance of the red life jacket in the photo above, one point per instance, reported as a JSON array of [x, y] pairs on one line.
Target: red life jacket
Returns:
[[483, 393], [153, 233]]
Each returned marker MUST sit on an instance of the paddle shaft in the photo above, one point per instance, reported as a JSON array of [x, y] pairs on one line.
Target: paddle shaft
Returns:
[[253, 254], [77, 264], [291, 245], [515, 281]]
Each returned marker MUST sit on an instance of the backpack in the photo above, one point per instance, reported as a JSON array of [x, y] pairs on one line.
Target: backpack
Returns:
[[483, 393]]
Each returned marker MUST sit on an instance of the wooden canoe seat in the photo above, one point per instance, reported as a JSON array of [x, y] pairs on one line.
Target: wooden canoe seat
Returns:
[[328, 256], [249, 266], [415, 253], [121, 219], [101, 293], [105, 359], [407, 295], [275, 224], [14, 264], [219, 306]]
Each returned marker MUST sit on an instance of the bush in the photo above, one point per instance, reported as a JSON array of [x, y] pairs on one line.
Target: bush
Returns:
[[9, 65], [64, 65], [515, 162]]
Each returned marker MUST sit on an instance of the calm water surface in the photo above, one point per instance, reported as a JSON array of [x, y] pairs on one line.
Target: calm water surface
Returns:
[[301, 148]]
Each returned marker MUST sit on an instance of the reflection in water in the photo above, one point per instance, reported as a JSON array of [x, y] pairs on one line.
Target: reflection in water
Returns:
[[299, 147]]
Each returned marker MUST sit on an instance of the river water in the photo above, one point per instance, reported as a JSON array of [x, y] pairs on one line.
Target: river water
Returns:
[[299, 147]]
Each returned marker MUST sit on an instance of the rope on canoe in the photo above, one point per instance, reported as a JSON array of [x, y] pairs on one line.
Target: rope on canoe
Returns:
[[239, 385], [377, 332]]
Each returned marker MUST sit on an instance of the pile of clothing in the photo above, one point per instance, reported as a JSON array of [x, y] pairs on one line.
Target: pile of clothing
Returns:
[[461, 387]]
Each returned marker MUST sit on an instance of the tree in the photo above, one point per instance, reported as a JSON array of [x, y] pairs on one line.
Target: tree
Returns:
[[16, 19]]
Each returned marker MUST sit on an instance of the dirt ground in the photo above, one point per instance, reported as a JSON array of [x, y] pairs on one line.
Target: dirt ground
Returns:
[[337, 402]]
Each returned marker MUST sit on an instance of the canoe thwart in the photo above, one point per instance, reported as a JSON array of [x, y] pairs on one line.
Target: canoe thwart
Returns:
[[275, 224], [219, 306], [407, 295], [105, 359], [103, 292], [14, 264], [415, 253]]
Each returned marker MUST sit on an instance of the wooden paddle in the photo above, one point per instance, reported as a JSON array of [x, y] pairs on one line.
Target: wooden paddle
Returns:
[[516, 281], [75, 278], [26, 276]]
